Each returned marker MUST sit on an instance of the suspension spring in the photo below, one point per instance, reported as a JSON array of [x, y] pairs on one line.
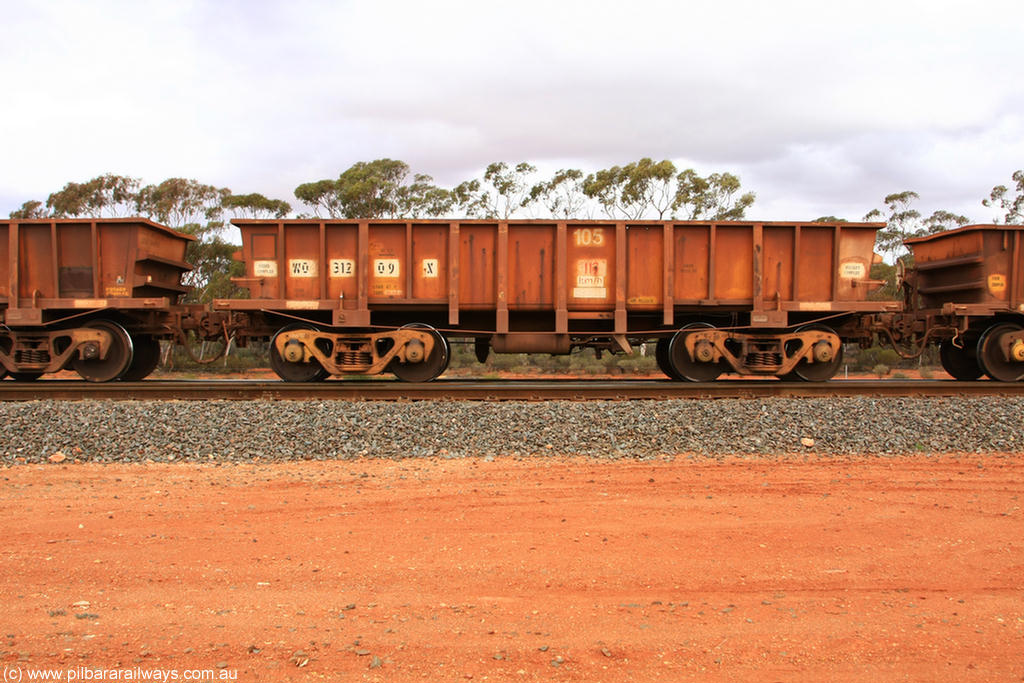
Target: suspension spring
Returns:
[[356, 358], [32, 356], [764, 359]]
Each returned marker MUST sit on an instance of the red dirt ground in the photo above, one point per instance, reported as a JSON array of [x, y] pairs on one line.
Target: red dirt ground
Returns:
[[520, 570]]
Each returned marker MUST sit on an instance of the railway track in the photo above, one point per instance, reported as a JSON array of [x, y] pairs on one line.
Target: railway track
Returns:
[[488, 390]]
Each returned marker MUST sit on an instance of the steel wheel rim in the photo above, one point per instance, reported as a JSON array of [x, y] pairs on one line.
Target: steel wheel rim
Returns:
[[960, 363], [6, 344], [119, 356], [686, 368], [295, 372], [662, 359], [26, 376], [431, 367], [145, 358], [990, 357], [818, 372]]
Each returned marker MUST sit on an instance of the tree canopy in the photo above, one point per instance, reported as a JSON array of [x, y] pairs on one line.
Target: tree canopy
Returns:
[[1011, 205], [903, 221], [375, 189]]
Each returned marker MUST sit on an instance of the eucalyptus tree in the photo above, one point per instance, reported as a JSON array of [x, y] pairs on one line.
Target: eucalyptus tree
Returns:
[[376, 189], [562, 195], [903, 222], [255, 205], [501, 192], [715, 197], [1013, 206], [649, 188], [106, 195]]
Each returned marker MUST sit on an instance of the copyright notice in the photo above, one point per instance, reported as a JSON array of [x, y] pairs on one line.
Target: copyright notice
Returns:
[[18, 674]]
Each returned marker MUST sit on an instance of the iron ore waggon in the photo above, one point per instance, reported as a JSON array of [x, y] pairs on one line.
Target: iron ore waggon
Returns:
[[966, 290], [339, 297], [93, 295]]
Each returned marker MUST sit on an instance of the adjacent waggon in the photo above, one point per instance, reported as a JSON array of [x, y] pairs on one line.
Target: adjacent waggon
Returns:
[[95, 296], [361, 297], [967, 290]]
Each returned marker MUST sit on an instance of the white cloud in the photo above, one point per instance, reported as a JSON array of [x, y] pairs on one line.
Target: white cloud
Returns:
[[821, 108]]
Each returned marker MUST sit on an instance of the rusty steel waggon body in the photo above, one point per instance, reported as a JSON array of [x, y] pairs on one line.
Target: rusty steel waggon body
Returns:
[[94, 295], [343, 297], [348, 296], [966, 291]]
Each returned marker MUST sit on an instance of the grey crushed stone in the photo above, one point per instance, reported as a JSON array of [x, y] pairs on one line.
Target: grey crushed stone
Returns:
[[126, 431]]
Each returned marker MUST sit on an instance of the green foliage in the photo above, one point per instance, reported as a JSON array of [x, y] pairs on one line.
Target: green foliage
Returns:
[[563, 195], [890, 291], [1013, 206], [108, 194], [646, 187], [829, 219], [30, 209], [255, 205], [904, 222], [376, 189], [503, 191], [649, 184], [321, 195], [213, 268], [583, 362], [370, 189], [865, 360], [422, 198], [184, 204], [633, 190], [711, 198], [236, 360], [605, 186]]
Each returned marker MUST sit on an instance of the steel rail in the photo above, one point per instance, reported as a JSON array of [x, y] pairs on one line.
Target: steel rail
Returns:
[[490, 390]]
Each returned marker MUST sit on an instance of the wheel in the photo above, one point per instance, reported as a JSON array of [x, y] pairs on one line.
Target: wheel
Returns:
[[961, 363], [5, 346], [661, 357], [431, 366], [26, 376], [991, 357], [817, 372], [296, 372], [685, 367], [144, 360], [119, 356], [482, 348]]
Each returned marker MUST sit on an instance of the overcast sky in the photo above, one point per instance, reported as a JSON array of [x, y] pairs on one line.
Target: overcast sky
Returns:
[[820, 107]]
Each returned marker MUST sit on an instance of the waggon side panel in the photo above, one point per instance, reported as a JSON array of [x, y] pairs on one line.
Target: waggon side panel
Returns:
[[815, 263], [645, 267], [341, 244], [777, 271], [6, 236], [478, 277], [973, 270], [575, 270]]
